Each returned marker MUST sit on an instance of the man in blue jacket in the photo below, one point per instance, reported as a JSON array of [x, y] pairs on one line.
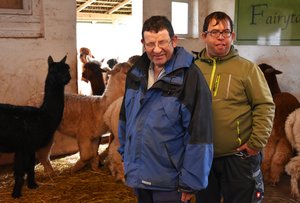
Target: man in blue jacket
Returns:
[[165, 126]]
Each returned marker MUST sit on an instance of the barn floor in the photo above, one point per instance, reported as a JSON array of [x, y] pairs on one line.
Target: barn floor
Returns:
[[87, 186], [84, 186]]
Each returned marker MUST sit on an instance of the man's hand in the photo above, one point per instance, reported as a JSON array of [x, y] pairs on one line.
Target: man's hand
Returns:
[[249, 150], [186, 196]]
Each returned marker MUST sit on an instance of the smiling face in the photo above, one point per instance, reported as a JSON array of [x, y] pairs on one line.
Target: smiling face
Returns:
[[218, 46], [159, 46]]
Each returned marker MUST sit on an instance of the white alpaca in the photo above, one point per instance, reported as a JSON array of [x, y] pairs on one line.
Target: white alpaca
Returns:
[[292, 129]]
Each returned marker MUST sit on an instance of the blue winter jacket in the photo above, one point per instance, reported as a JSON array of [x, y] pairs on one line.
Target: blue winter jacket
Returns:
[[165, 131]]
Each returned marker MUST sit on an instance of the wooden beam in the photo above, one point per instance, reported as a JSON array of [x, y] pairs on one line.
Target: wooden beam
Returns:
[[101, 18], [118, 6], [84, 5]]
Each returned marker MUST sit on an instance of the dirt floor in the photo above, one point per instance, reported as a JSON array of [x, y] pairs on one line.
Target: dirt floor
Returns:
[[88, 186]]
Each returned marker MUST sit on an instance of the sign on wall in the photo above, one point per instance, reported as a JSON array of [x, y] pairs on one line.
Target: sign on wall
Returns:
[[267, 22]]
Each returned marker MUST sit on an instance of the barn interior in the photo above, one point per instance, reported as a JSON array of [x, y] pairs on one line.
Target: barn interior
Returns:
[[31, 30]]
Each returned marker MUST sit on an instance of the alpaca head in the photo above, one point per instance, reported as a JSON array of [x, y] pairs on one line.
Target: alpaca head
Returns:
[[112, 62], [117, 77], [91, 69], [267, 69], [60, 70], [270, 75]]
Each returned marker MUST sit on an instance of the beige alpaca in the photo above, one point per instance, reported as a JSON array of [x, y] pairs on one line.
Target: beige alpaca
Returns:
[[292, 129], [83, 120], [114, 159]]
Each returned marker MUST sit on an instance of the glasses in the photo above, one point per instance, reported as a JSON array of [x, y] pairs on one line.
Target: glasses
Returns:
[[161, 44], [217, 33]]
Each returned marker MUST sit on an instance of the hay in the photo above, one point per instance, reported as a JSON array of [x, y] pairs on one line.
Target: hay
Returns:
[[84, 186]]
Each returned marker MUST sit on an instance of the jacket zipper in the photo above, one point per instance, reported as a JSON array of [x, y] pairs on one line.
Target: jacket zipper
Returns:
[[214, 88], [238, 132]]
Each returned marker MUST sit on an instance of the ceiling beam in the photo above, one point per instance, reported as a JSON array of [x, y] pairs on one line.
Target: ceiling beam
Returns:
[[101, 18], [124, 3], [84, 5]]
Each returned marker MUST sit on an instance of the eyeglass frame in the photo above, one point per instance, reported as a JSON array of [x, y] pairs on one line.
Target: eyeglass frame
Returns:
[[218, 33], [161, 44]]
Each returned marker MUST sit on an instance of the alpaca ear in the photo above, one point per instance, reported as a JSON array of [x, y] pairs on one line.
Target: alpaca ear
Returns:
[[277, 72], [50, 60], [64, 59]]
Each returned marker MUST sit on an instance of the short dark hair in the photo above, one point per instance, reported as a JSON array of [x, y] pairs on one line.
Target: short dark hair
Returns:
[[218, 16], [156, 24]]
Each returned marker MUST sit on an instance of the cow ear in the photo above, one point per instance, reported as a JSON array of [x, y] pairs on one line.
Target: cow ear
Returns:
[[50, 60], [64, 59]]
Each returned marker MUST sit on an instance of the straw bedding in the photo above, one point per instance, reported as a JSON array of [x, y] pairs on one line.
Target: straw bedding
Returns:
[[85, 186]]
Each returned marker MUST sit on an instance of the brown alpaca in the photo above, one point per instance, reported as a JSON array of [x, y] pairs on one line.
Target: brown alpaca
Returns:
[[278, 150]]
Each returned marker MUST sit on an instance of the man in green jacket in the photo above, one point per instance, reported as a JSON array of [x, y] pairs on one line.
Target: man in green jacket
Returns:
[[243, 112]]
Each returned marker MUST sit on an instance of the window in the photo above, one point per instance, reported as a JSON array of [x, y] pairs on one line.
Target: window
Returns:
[[11, 4], [180, 12], [19, 18], [185, 18]]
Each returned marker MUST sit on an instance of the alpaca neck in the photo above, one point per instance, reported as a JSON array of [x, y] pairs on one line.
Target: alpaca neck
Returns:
[[53, 103], [111, 93], [97, 85], [274, 87]]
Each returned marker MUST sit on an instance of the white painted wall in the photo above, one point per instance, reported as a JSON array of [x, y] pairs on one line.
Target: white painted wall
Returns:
[[23, 66]]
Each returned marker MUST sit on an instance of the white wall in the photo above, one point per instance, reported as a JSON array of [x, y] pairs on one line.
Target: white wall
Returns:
[[23, 66]]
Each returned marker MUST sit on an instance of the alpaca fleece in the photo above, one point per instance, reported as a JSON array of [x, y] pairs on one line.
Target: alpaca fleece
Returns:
[[26, 129]]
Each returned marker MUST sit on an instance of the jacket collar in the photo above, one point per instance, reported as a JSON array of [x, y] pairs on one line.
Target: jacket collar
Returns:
[[180, 59], [203, 55]]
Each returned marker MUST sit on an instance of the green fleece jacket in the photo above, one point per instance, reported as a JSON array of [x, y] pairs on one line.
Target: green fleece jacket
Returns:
[[243, 107]]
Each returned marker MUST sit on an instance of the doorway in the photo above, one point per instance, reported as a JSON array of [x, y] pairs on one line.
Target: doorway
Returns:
[[109, 30]]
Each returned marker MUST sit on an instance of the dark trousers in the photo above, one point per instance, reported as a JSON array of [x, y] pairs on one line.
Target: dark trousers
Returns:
[[234, 178], [154, 196]]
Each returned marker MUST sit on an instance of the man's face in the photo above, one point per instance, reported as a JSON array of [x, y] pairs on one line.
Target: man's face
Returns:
[[159, 47], [218, 46]]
